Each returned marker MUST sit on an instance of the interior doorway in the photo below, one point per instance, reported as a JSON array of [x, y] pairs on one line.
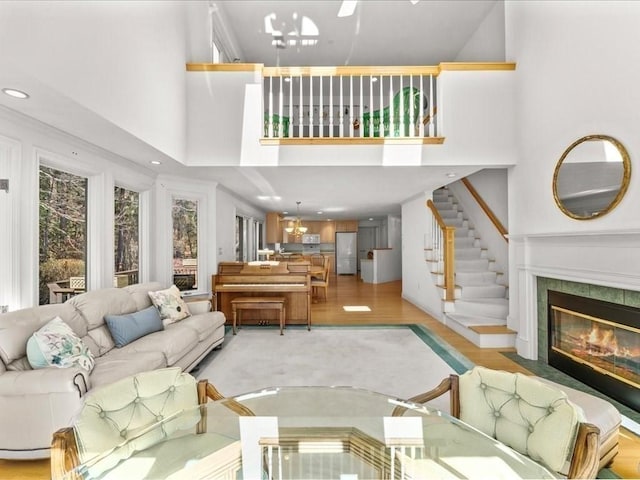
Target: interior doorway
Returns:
[[366, 241]]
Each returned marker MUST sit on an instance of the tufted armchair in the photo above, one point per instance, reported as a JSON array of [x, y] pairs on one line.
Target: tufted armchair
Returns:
[[529, 416], [123, 410]]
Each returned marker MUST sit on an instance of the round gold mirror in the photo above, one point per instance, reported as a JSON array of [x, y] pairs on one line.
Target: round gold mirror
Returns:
[[591, 177]]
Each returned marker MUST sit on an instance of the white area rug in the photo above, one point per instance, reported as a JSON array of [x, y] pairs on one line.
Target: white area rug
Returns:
[[393, 361]]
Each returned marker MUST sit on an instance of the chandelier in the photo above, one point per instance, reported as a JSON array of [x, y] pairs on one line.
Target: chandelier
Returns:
[[297, 228]]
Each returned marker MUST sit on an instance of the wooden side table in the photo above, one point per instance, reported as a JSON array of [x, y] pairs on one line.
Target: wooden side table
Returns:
[[257, 303]]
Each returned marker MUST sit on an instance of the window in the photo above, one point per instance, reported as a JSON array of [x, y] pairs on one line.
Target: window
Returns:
[[185, 243], [240, 238], [63, 235], [126, 236]]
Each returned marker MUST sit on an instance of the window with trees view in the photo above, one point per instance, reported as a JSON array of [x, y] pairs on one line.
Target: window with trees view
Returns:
[[63, 234], [185, 243], [126, 236]]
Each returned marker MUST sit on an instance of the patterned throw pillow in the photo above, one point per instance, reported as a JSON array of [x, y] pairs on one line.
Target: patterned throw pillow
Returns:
[[170, 304], [56, 345]]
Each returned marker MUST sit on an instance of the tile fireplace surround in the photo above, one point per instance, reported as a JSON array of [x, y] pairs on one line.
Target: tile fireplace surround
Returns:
[[608, 294]]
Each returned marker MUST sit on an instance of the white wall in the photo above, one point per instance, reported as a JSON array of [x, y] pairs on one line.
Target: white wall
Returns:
[[227, 207], [83, 50], [577, 74], [418, 285], [487, 44]]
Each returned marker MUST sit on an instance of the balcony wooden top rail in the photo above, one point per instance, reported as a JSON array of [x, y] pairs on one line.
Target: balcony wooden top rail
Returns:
[[349, 70], [487, 210]]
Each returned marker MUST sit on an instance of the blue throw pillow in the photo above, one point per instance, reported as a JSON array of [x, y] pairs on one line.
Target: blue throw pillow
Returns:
[[127, 328]]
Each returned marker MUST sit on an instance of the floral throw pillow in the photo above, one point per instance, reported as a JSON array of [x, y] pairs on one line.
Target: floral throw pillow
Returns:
[[56, 345], [170, 305]]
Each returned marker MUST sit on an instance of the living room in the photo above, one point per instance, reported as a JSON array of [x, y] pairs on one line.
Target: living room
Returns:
[[569, 82]]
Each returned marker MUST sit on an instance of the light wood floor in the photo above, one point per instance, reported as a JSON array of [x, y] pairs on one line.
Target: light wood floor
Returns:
[[387, 307]]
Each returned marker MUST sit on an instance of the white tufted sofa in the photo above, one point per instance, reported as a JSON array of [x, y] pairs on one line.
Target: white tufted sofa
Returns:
[[533, 418], [36, 403]]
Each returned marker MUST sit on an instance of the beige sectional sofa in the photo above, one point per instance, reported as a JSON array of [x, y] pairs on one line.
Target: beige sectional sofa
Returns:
[[36, 403]]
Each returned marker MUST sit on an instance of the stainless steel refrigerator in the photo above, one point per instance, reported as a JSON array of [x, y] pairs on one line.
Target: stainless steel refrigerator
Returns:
[[346, 253]]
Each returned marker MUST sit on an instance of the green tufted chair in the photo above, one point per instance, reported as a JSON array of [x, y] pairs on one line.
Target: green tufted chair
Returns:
[[123, 410], [527, 415]]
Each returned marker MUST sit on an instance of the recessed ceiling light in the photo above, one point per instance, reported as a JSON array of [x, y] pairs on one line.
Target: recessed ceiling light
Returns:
[[12, 92], [320, 212], [155, 162], [285, 213], [451, 174], [370, 219]]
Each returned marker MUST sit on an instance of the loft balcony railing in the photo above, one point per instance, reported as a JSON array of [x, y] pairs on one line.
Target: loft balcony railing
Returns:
[[350, 102]]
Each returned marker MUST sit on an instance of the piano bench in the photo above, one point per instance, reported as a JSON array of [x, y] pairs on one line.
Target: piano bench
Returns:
[[257, 303]]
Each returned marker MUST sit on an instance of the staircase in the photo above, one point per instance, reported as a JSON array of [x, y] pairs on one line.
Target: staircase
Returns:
[[481, 305]]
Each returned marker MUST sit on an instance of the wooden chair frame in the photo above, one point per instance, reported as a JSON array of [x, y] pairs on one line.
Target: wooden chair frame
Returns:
[[64, 448], [584, 460]]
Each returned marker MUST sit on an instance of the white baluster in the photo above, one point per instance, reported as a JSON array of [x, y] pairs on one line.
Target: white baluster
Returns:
[[321, 111], [432, 120], [361, 109], [370, 106], [290, 106], [331, 107], [301, 109], [311, 107], [402, 109], [380, 110], [341, 110], [421, 115], [412, 109], [270, 111], [351, 105], [280, 113], [391, 112]]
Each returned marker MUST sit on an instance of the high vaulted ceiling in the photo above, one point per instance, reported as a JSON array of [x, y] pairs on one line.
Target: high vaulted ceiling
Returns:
[[379, 32]]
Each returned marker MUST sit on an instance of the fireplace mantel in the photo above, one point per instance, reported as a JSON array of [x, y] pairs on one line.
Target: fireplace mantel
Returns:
[[607, 259]]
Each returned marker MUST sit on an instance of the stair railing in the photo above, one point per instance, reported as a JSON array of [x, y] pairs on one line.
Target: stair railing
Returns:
[[443, 248], [485, 208]]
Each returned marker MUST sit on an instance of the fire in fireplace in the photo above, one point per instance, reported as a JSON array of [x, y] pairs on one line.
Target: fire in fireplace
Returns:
[[598, 343]]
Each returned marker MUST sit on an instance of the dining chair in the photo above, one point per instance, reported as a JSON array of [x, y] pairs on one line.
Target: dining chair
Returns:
[[317, 260], [321, 282], [121, 410], [527, 415]]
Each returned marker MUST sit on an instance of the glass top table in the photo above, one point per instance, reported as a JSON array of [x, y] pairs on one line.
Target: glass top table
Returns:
[[340, 433]]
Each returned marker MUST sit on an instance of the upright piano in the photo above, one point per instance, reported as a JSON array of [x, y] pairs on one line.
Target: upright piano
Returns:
[[262, 279]]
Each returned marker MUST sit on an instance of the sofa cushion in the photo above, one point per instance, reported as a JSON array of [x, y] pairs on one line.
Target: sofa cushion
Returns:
[[131, 326], [174, 343], [140, 293], [170, 304], [204, 324], [94, 305], [16, 327], [117, 365], [56, 345]]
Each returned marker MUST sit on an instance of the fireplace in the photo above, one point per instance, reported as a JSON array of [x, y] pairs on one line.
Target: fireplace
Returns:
[[596, 342]]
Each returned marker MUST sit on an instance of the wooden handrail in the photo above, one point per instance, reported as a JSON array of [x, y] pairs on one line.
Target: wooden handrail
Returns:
[[474, 193], [448, 233], [436, 214]]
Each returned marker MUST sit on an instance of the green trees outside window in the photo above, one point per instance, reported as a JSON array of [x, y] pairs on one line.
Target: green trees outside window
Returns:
[[62, 230]]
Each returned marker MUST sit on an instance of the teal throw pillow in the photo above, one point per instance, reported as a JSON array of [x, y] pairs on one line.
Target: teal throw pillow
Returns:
[[127, 328], [56, 345]]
